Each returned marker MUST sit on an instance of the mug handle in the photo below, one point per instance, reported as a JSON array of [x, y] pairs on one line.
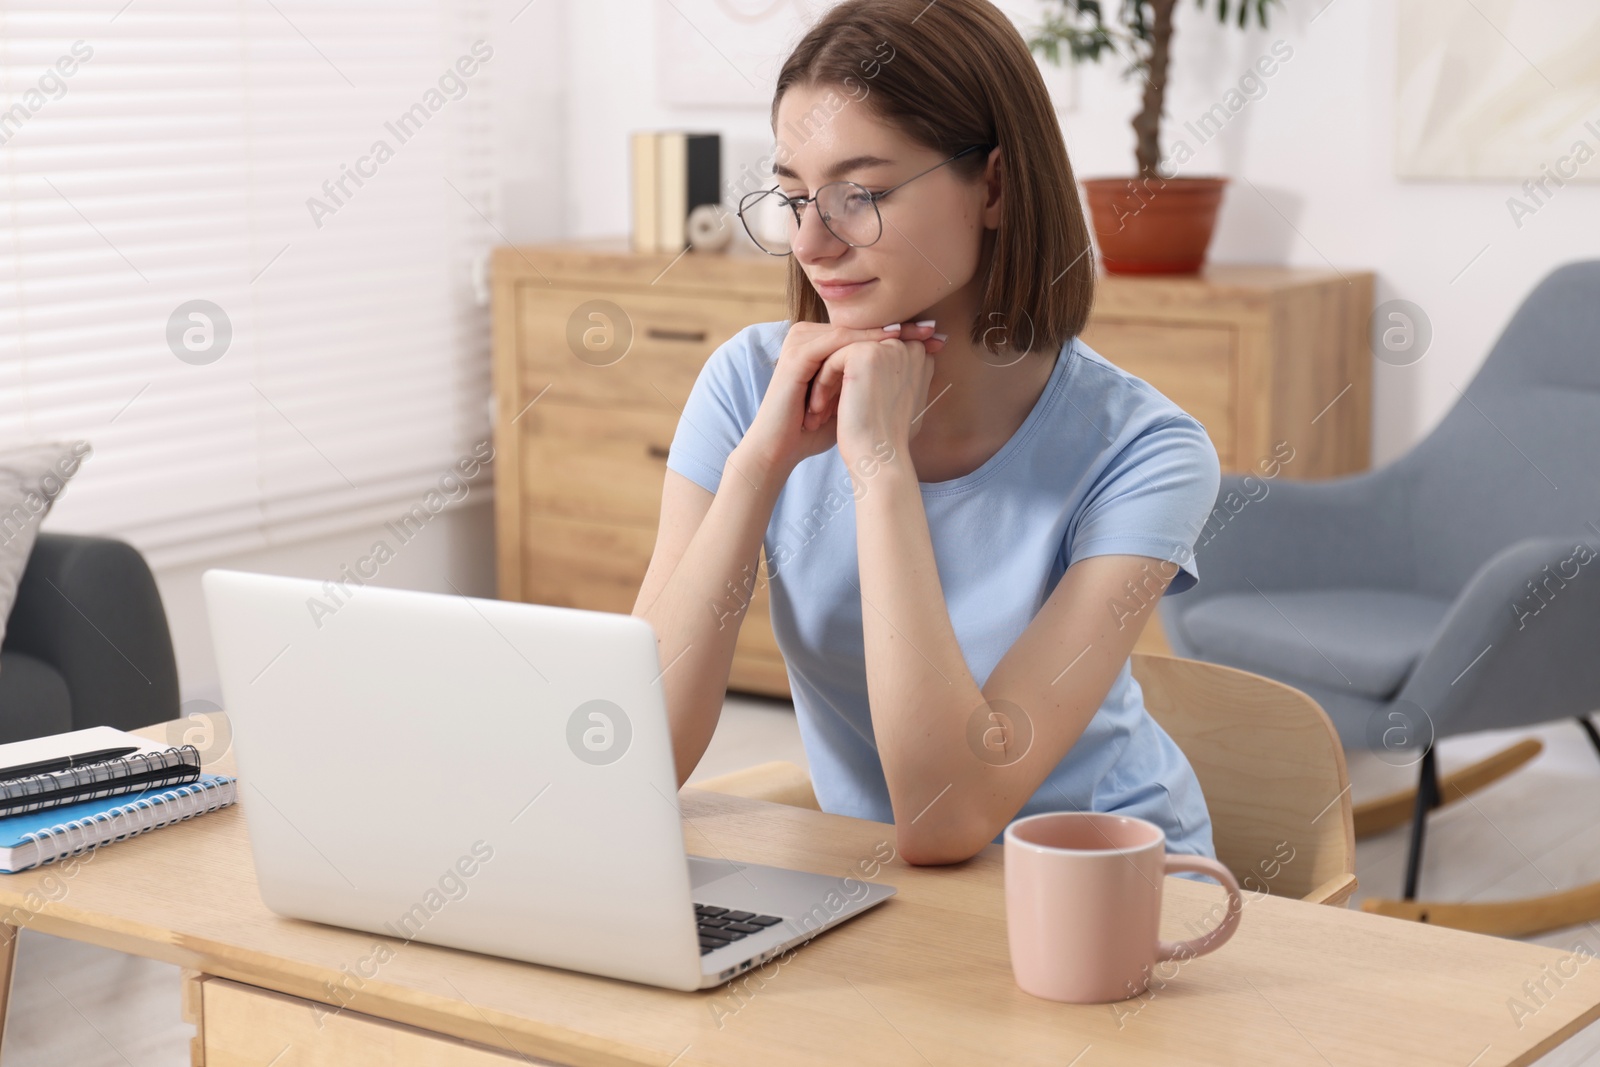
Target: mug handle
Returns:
[[1179, 862]]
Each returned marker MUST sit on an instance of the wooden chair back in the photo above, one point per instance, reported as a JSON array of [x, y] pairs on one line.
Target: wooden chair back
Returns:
[[1272, 770]]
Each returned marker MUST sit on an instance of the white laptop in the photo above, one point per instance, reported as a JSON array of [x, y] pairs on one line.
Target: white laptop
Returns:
[[485, 775]]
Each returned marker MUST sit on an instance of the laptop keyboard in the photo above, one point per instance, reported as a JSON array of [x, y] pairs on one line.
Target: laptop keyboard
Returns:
[[719, 926]]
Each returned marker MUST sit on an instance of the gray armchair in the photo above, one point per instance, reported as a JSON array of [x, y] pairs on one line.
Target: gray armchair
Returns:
[[86, 643], [1454, 590]]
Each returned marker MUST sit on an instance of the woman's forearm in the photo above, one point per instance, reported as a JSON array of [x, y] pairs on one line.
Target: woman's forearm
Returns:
[[698, 612], [919, 687]]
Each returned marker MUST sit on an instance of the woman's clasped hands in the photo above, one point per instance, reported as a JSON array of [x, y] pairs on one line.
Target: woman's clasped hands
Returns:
[[861, 389]]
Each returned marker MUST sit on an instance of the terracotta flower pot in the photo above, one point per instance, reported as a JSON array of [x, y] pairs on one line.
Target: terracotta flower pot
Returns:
[[1153, 225]]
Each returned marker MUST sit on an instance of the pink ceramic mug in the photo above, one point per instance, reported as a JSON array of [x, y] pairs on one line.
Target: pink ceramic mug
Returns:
[[1083, 904]]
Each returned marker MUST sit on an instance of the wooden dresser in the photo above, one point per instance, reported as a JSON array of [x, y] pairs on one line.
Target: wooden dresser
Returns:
[[596, 349]]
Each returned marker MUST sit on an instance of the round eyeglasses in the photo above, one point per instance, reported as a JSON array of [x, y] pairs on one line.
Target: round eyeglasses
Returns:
[[849, 211]]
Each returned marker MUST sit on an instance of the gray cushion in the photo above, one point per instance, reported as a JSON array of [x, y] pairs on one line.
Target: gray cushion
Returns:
[[35, 697], [31, 477], [1361, 640]]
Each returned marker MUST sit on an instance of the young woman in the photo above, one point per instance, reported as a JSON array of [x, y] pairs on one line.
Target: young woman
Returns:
[[968, 514]]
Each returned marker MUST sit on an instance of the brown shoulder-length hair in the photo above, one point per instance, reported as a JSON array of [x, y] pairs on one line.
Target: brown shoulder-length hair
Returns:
[[952, 74]]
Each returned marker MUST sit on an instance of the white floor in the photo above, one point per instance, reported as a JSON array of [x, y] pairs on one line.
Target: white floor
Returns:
[[1533, 832]]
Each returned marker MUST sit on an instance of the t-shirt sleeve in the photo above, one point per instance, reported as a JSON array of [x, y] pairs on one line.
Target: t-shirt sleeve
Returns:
[[721, 406], [1153, 499]]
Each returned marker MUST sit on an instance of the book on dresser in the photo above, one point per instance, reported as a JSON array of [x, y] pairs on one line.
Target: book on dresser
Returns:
[[78, 802], [673, 172]]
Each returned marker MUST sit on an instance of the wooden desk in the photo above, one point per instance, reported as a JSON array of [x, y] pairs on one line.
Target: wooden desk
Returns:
[[922, 979]]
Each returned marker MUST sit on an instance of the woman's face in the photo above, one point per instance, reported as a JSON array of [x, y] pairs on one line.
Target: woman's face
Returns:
[[929, 252]]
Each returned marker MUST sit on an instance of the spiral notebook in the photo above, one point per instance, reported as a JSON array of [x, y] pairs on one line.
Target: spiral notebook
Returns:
[[133, 773], [40, 837]]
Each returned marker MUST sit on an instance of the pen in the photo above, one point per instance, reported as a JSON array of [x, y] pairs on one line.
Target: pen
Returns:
[[64, 763]]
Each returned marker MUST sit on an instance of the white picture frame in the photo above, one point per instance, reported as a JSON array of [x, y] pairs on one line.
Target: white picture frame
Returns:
[[1496, 90], [726, 53]]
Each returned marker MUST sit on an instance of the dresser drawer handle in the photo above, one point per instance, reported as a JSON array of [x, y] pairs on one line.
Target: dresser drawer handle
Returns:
[[656, 451], [656, 333]]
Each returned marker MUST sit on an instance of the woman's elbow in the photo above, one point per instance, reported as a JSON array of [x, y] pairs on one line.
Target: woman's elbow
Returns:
[[937, 848]]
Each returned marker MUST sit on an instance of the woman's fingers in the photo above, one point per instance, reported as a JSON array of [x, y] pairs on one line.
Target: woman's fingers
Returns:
[[828, 385], [823, 356], [824, 402], [809, 354], [826, 390]]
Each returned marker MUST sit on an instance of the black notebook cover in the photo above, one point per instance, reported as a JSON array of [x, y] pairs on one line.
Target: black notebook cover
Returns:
[[132, 773]]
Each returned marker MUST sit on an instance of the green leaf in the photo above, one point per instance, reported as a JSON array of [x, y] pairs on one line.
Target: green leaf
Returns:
[[1083, 27], [1241, 13]]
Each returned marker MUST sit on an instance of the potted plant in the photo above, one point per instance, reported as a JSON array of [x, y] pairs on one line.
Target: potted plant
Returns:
[[1150, 223]]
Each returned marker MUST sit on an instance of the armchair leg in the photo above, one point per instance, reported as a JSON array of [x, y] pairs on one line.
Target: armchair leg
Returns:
[[1396, 809], [1503, 918], [1588, 728], [1522, 917], [1427, 800]]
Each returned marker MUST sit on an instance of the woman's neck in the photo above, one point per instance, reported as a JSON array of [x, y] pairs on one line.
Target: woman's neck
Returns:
[[976, 402]]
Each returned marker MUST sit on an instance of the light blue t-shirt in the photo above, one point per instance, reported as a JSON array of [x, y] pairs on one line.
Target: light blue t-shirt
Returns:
[[1102, 464]]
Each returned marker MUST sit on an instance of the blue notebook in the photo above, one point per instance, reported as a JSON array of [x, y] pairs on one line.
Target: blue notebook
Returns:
[[41, 837]]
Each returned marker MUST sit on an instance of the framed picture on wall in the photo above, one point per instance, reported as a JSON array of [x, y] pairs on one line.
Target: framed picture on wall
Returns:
[[726, 53], [1497, 90]]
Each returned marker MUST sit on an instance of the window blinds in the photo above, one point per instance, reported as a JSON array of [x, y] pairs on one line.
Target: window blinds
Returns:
[[236, 255]]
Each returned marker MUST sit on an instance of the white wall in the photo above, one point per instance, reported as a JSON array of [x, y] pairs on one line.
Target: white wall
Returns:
[[1311, 161], [532, 88], [456, 549], [454, 552]]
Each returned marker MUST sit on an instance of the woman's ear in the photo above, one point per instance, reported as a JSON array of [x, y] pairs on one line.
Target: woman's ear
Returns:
[[994, 189]]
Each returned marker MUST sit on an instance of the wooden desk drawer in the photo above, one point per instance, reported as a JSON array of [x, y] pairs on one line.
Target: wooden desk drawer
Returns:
[[600, 566], [671, 340], [1193, 366], [582, 463], [243, 1026]]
